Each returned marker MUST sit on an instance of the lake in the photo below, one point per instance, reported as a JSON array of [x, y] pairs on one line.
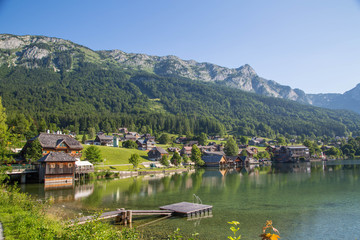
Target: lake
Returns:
[[318, 200]]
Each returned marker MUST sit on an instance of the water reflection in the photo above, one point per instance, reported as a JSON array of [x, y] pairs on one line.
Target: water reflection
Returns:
[[295, 196], [126, 190]]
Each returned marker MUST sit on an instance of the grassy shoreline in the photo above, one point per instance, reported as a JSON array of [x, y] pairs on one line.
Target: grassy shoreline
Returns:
[[23, 217]]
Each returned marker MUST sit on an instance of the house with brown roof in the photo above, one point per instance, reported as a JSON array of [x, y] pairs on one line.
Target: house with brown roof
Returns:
[[186, 151], [233, 161], [104, 140], [130, 137], [156, 153], [56, 143]]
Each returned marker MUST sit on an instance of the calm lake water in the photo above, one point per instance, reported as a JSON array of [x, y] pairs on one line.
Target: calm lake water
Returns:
[[304, 201]]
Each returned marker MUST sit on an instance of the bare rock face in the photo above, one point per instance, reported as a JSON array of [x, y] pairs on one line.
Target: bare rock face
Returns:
[[35, 53], [10, 42]]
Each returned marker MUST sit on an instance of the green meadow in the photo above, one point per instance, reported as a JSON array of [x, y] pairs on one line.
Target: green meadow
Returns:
[[115, 156]]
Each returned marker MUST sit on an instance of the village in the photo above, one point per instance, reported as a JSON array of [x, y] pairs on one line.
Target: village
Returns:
[[62, 161]]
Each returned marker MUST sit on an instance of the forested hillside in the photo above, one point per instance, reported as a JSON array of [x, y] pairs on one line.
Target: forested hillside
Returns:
[[91, 95]]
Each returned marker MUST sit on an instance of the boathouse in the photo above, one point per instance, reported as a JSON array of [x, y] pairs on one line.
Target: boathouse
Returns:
[[214, 160], [233, 161], [57, 169]]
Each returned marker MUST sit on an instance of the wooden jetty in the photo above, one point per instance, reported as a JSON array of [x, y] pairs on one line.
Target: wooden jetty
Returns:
[[125, 216], [188, 209]]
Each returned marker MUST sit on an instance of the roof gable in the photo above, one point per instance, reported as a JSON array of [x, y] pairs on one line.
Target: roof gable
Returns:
[[57, 157], [48, 140], [212, 158]]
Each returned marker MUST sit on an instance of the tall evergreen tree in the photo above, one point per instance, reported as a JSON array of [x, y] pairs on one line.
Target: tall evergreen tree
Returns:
[[196, 156], [203, 138], [231, 148]]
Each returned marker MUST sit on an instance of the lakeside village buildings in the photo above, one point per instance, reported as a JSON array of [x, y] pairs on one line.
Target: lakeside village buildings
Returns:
[[61, 163], [61, 160], [213, 154]]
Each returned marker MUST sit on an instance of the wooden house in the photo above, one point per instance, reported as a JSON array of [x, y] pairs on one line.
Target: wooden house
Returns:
[[291, 153], [57, 169], [156, 153], [233, 161], [257, 141], [130, 137], [214, 160], [145, 144], [123, 130], [191, 143], [135, 134], [186, 151], [56, 143], [104, 140]]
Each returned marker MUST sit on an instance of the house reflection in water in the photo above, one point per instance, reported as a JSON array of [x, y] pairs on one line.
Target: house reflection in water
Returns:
[[68, 193]]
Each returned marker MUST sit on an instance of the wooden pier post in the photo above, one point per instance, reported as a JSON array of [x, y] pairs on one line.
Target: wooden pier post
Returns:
[[129, 216], [123, 217], [119, 217]]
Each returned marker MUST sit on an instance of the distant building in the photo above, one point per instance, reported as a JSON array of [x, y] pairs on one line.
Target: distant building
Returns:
[[214, 160], [104, 140], [291, 153], [156, 153], [186, 151], [145, 144], [255, 141], [233, 161], [123, 130]]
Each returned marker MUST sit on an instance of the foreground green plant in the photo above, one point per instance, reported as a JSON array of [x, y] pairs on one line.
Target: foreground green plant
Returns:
[[234, 230]]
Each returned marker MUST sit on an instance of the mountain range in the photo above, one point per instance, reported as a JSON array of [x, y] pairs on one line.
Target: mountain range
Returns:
[[71, 76], [244, 77]]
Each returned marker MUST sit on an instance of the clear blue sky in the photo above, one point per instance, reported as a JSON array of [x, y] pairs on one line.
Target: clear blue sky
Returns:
[[313, 45]]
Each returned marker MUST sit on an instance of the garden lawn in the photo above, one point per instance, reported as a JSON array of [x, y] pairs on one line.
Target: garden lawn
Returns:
[[114, 156]]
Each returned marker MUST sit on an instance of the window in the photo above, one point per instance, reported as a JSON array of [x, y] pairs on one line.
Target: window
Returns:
[[61, 165], [52, 165], [70, 165]]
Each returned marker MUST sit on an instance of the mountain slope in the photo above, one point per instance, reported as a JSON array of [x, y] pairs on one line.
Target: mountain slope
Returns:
[[74, 87], [34, 51], [349, 100]]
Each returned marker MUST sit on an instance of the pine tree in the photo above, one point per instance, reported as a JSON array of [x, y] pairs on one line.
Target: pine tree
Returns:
[[231, 148], [84, 138], [196, 156]]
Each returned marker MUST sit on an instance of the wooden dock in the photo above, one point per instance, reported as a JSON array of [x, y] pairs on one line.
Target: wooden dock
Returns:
[[188, 209], [122, 215], [191, 210]]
